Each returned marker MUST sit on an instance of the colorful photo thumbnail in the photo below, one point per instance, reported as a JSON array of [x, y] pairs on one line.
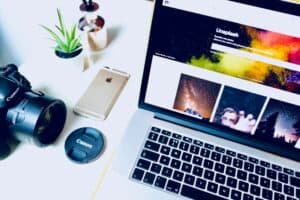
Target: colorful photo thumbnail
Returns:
[[196, 97], [280, 123], [239, 109]]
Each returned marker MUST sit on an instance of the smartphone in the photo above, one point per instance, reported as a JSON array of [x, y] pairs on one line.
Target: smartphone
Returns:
[[101, 95]]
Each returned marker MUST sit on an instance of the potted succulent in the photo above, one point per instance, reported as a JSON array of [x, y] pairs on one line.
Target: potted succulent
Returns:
[[67, 41]]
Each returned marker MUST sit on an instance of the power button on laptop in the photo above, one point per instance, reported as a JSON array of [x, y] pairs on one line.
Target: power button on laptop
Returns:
[[84, 145]]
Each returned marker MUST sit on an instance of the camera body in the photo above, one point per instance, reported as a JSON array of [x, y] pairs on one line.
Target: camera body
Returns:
[[27, 115]]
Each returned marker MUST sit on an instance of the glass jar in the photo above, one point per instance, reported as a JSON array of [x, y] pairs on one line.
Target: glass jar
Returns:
[[93, 27]]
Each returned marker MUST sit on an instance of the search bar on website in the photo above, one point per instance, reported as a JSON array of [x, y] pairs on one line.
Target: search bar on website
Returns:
[[253, 56]]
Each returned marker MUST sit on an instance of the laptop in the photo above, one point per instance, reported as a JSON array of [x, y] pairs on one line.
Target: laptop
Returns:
[[219, 107]]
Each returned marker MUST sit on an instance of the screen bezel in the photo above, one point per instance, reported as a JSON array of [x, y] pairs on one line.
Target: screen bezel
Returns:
[[191, 122]]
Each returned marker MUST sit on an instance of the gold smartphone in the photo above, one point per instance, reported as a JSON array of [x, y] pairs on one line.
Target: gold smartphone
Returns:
[[100, 96]]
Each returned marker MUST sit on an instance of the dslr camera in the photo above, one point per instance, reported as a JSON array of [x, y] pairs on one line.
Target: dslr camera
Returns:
[[27, 115]]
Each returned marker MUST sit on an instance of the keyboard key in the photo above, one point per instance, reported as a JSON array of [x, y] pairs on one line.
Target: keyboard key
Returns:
[[167, 133], [298, 193], [297, 174], [151, 145], [176, 153], [219, 167], [184, 146], [260, 170], [205, 153], [226, 160], [216, 156], [253, 160], [242, 156], [193, 193], [164, 160], [194, 149], [197, 171], [243, 186], [278, 196], [178, 175], [242, 175], [276, 186], [253, 178], [155, 168], [200, 183], [174, 143], [143, 164], [138, 174], [197, 160], [198, 143], [208, 164], [177, 136], [224, 191], [271, 174], [265, 182], [288, 171], [267, 194], [186, 167], [173, 186], [237, 163], [163, 139], [236, 195], [255, 190], [175, 163], [290, 198], [160, 182], [265, 164], [295, 182], [150, 155], [283, 178], [248, 167], [153, 136], [247, 197], [231, 153], [187, 139], [188, 179], [289, 190], [231, 182], [209, 174], [149, 178], [155, 129], [230, 171], [212, 187], [209, 146], [276, 167], [165, 150], [220, 149], [220, 178], [167, 172], [186, 157]]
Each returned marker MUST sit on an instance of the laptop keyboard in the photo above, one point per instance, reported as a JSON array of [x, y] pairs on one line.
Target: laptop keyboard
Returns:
[[199, 170]]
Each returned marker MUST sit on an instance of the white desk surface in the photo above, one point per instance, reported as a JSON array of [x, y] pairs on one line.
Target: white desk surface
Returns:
[[46, 173]]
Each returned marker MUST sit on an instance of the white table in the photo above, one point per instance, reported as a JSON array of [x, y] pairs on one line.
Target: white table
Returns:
[[46, 173]]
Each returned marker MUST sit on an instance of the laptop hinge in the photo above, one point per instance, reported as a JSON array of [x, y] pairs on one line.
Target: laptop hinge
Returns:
[[183, 122]]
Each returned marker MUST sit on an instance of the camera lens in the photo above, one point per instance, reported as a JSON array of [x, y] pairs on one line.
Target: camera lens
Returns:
[[37, 119], [51, 123]]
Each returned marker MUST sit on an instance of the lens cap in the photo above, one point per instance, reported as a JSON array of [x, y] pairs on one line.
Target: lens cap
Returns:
[[84, 145]]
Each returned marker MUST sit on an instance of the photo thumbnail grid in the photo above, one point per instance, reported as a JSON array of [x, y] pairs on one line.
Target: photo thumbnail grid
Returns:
[[239, 110]]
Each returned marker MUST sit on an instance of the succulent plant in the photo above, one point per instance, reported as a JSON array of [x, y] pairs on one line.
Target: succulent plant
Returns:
[[67, 41]]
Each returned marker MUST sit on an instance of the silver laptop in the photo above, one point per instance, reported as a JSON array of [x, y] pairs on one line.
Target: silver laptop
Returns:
[[219, 107]]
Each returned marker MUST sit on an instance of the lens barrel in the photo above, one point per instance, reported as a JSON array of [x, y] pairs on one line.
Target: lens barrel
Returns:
[[37, 119]]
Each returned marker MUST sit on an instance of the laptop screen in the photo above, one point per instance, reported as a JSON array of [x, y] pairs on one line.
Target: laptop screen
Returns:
[[229, 66]]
